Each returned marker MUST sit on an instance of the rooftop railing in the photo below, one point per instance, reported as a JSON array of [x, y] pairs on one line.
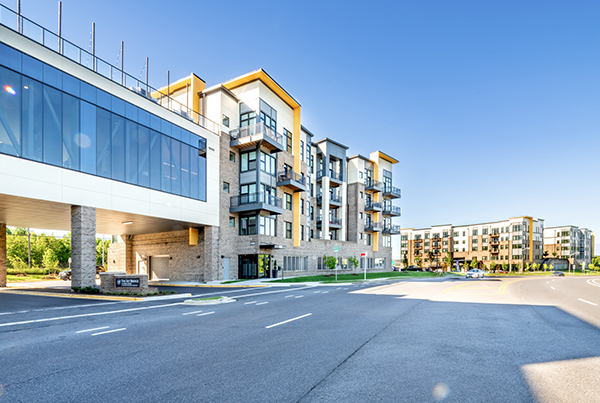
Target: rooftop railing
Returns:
[[15, 22], [257, 128]]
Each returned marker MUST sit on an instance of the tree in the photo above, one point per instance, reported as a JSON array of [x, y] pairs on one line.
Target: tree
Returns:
[[484, 267], [504, 266], [526, 267], [448, 261], [354, 262], [545, 266], [331, 263], [431, 258], [545, 254], [405, 260], [551, 267], [474, 263], [418, 261], [50, 261], [493, 266], [99, 251], [554, 254]]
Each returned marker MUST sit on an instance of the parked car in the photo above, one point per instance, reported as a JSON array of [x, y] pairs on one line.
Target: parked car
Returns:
[[475, 273], [413, 268], [66, 274], [558, 274]]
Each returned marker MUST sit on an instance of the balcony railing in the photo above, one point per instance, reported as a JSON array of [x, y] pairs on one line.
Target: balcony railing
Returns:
[[391, 192], [332, 220], [331, 174], [334, 198], [291, 176], [11, 20], [254, 198], [255, 129], [372, 184], [392, 211], [373, 206], [373, 226]]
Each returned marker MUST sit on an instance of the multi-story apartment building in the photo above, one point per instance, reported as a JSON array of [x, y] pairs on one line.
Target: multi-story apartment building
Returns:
[[515, 242], [569, 242], [196, 183]]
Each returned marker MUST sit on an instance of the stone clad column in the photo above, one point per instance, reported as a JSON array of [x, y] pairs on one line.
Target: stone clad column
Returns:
[[83, 246], [3, 264]]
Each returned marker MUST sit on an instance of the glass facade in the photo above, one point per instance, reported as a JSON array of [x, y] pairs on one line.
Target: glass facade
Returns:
[[51, 117]]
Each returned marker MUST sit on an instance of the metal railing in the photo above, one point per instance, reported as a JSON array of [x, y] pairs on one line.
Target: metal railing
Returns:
[[253, 198], [335, 198], [391, 189], [291, 176], [332, 220], [372, 226], [392, 210], [373, 206], [331, 174], [372, 183], [15, 22], [257, 128], [392, 228]]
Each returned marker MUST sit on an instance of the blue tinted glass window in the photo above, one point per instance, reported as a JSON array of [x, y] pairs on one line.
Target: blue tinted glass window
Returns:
[[166, 164], [52, 126], [103, 143], [88, 92], [144, 117], [185, 170], [143, 156], [103, 99], [175, 167], [194, 181], [117, 139], [10, 58], [202, 178], [155, 123], [32, 67], [176, 132], [31, 128], [10, 112], [165, 127], [118, 106], [53, 77], [131, 112], [155, 160], [71, 85], [185, 136], [87, 137], [131, 152], [70, 128]]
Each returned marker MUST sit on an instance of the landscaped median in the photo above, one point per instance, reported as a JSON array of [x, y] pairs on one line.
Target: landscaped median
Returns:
[[355, 277]]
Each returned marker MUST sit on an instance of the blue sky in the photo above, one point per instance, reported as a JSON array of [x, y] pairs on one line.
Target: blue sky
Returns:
[[491, 107]]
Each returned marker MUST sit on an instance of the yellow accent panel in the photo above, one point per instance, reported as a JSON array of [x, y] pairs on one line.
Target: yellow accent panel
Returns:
[[388, 158], [375, 241], [531, 239], [193, 236], [196, 85], [268, 81]]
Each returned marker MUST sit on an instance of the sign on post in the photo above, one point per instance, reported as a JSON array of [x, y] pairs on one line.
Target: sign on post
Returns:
[[365, 255], [127, 282], [336, 249]]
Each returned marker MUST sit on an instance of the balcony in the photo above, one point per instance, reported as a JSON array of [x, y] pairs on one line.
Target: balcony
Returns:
[[495, 241], [373, 206], [372, 226], [373, 186], [391, 211], [255, 134], [292, 180], [390, 192], [495, 251], [334, 222], [391, 230], [335, 200], [256, 202], [335, 178]]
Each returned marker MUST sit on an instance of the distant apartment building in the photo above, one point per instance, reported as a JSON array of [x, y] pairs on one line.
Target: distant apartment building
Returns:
[[569, 242], [514, 242]]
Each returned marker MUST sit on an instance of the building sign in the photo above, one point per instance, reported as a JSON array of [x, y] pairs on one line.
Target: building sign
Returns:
[[127, 282]]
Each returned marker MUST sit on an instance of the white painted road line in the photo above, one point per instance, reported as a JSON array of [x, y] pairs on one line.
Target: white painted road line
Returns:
[[261, 303], [190, 313], [299, 296], [593, 282], [587, 302], [289, 296], [553, 288], [324, 292], [94, 329], [109, 331], [83, 315], [207, 313], [317, 292], [289, 320], [251, 302]]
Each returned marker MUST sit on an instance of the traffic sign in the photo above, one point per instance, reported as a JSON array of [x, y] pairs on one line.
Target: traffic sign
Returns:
[[336, 248], [363, 254]]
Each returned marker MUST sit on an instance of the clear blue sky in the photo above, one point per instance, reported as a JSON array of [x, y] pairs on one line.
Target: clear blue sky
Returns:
[[492, 108]]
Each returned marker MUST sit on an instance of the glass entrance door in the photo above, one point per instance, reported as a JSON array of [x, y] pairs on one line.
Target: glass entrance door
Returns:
[[248, 267]]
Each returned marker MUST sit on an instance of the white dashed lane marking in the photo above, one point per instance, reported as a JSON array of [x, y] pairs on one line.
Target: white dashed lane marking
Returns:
[[190, 313], [207, 313], [109, 331], [92, 330], [261, 303], [287, 321], [587, 302]]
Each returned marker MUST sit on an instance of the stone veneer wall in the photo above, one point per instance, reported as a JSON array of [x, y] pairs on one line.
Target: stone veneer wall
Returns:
[[83, 246]]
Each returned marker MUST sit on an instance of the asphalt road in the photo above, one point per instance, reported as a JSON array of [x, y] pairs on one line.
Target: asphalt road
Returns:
[[492, 340]]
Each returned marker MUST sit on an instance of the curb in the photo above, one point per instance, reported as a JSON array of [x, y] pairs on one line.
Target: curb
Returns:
[[209, 285]]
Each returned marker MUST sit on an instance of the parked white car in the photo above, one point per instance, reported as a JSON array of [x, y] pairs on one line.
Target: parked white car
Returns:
[[475, 273]]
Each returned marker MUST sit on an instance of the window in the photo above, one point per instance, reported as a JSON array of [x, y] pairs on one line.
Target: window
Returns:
[[301, 150], [299, 263], [368, 241], [231, 156], [267, 225], [302, 232], [248, 225], [268, 117], [517, 228], [268, 163], [485, 231], [225, 120], [445, 234], [312, 213], [445, 243], [225, 187], [360, 236], [302, 206], [248, 161], [426, 243], [232, 221], [360, 215], [455, 242], [360, 175], [247, 119], [474, 241], [427, 235], [287, 140], [404, 237], [288, 230], [516, 237], [387, 241], [361, 194], [464, 233], [474, 248], [288, 201]]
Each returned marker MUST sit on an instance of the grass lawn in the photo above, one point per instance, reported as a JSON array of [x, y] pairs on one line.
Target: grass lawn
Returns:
[[345, 278], [11, 278], [206, 299]]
